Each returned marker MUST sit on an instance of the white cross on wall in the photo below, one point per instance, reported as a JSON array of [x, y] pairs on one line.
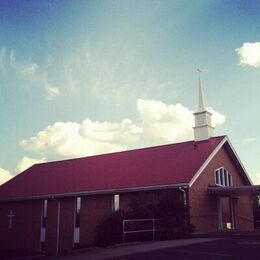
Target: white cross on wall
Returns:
[[10, 216]]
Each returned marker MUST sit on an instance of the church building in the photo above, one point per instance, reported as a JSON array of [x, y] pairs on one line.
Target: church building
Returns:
[[55, 206]]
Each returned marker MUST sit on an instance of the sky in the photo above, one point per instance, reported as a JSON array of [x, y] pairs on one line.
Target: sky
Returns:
[[86, 77]]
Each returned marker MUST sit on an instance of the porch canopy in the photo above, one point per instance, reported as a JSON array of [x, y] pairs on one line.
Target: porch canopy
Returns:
[[252, 190]]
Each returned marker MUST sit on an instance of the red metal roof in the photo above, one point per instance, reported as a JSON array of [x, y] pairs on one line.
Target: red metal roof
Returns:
[[153, 166]]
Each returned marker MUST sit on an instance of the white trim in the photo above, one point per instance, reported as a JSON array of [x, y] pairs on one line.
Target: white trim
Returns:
[[96, 192], [222, 174], [205, 164], [239, 161]]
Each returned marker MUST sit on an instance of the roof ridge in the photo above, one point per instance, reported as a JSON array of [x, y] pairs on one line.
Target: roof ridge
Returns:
[[126, 151]]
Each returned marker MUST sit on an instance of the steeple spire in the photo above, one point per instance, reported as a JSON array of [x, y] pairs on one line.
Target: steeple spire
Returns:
[[202, 106], [203, 129]]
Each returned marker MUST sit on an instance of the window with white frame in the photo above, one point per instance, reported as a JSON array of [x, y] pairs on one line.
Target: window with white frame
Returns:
[[77, 208], [116, 202], [223, 177], [44, 213], [43, 224], [77, 212]]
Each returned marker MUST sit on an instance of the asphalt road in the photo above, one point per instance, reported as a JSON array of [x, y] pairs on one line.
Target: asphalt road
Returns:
[[231, 246], [227, 248]]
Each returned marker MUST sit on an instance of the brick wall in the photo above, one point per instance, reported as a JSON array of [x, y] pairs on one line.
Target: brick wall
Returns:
[[203, 210], [51, 227], [66, 224], [93, 210], [25, 232]]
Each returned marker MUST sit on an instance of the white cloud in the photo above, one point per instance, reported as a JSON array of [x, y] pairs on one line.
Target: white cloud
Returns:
[[71, 139], [27, 162], [162, 123], [52, 91], [158, 123], [4, 176], [249, 54], [30, 69], [217, 118], [256, 178]]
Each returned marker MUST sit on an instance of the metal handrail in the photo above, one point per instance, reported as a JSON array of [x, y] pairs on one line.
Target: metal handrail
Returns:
[[153, 220]]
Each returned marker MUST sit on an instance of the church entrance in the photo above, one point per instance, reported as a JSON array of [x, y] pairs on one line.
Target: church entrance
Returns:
[[225, 213]]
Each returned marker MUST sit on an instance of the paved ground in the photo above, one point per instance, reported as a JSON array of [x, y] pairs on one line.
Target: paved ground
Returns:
[[231, 246], [219, 249], [120, 252]]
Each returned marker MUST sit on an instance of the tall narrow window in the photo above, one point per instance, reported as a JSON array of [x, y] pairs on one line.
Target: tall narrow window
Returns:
[[77, 221], [225, 178], [78, 206], [116, 202], [43, 223], [221, 176], [44, 215]]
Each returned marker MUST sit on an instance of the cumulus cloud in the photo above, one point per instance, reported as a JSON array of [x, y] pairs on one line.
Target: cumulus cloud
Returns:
[[27, 162], [217, 118], [162, 123], [249, 54], [158, 123], [5, 176], [256, 178], [71, 139]]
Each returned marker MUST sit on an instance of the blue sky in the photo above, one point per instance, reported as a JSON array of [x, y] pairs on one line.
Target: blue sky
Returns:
[[86, 77]]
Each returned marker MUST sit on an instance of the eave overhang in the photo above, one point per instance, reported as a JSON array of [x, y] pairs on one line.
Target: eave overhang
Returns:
[[250, 190], [98, 192]]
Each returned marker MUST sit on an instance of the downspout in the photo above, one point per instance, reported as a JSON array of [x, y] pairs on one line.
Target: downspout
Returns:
[[184, 196], [185, 205]]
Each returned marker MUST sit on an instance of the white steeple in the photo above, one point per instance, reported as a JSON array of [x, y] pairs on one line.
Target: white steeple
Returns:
[[201, 96], [203, 129]]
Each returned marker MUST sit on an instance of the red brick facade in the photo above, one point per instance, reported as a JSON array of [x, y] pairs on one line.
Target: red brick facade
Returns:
[[204, 208], [26, 227]]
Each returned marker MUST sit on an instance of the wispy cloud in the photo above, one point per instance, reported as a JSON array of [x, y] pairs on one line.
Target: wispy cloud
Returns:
[[249, 54], [30, 69], [28, 74], [249, 140], [112, 78]]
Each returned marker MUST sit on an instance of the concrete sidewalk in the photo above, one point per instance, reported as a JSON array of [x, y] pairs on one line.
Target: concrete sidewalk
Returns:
[[123, 250]]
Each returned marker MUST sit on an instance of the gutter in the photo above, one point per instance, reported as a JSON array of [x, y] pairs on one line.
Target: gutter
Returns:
[[96, 192]]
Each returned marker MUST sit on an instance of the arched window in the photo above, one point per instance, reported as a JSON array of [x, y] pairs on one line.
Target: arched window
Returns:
[[223, 177]]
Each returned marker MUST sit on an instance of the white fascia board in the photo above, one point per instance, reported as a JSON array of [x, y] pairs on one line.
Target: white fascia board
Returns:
[[99, 192], [239, 161], [205, 164]]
